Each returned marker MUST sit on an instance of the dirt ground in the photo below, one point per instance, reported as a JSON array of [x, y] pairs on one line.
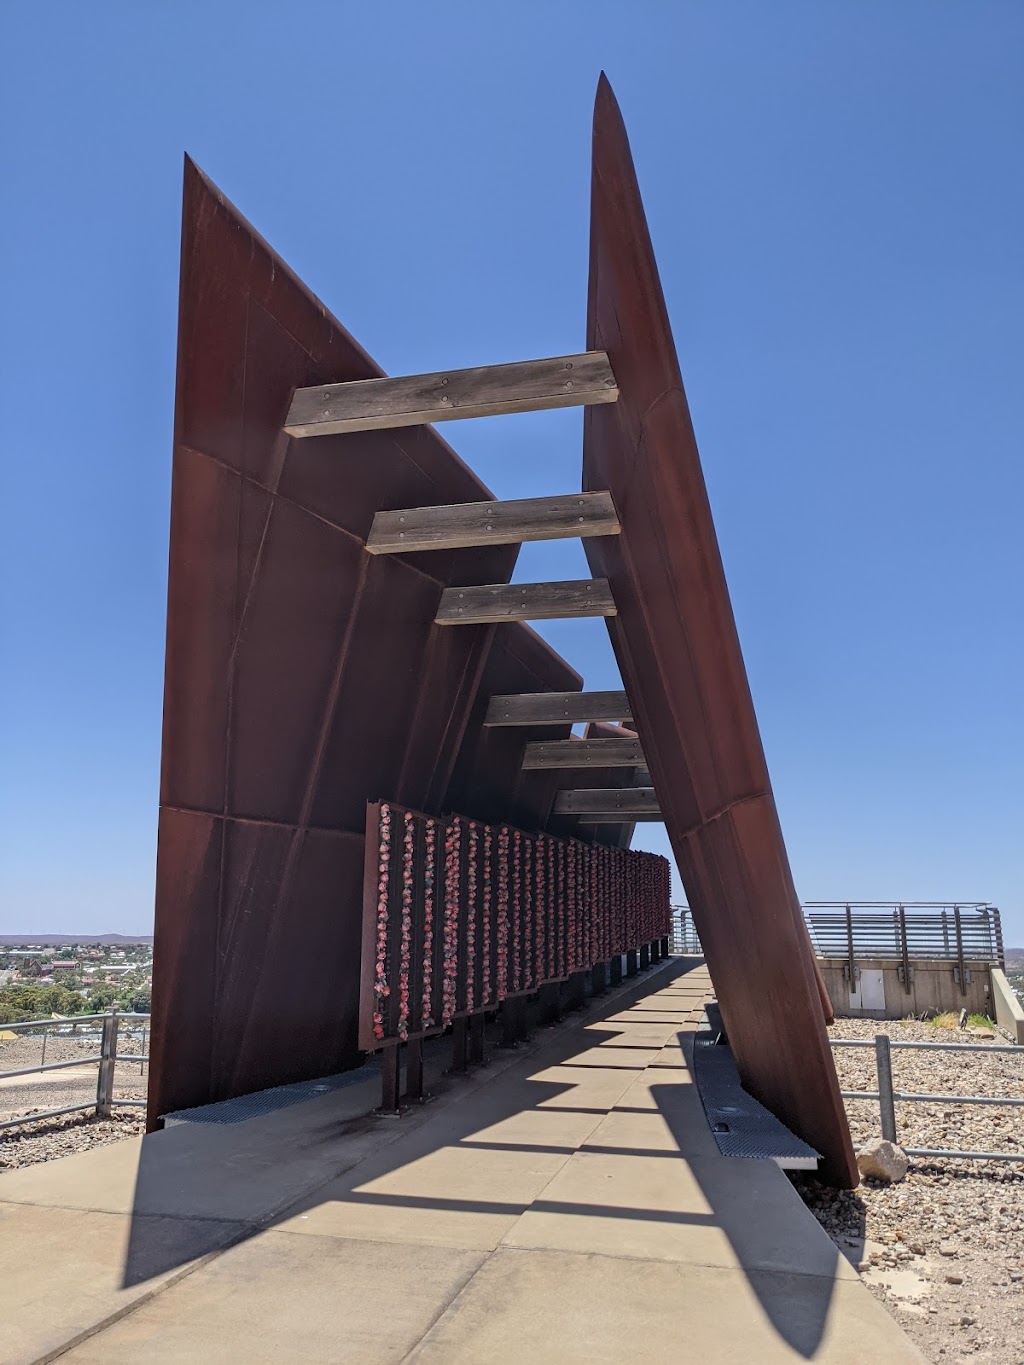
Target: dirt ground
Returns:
[[944, 1248]]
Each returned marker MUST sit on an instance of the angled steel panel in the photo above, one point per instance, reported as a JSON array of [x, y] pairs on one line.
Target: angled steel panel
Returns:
[[676, 643], [304, 676]]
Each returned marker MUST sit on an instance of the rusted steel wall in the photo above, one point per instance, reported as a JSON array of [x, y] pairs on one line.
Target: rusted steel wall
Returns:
[[677, 647], [304, 677]]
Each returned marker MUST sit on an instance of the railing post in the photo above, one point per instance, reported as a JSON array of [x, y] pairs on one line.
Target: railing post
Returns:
[[997, 929], [960, 949], [904, 950], [886, 1103], [108, 1061], [849, 949]]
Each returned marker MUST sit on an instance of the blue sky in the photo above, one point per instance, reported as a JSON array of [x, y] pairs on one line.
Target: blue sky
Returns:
[[835, 197]]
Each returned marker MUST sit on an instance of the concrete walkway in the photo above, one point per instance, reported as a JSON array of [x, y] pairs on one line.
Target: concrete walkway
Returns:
[[566, 1203]]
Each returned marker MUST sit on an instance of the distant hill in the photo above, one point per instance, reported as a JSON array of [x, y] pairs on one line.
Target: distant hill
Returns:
[[60, 940], [1014, 959]]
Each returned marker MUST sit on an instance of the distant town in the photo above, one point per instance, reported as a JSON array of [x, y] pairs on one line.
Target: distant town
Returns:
[[60, 976]]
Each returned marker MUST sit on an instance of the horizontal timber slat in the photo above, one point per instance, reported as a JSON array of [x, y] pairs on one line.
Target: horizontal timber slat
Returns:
[[632, 801], [616, 818], [556, 708], [524, 602], [463, 524], [583, 753], [485, 391]]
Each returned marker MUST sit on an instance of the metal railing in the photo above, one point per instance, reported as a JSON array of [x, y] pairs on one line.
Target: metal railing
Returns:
[[903, 931], [684, 934], [107, 1026], [887, 1096]]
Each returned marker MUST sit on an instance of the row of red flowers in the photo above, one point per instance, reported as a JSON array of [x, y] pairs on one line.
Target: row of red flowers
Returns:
[[514, 912]]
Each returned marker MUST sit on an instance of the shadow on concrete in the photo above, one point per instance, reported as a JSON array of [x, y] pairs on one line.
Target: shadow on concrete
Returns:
[[320, 1161]]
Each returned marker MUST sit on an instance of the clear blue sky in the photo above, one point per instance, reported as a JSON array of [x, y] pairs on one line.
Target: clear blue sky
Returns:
[[835, 196]]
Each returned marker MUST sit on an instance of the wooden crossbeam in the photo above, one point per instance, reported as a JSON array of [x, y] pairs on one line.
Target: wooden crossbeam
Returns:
[[636, 818], [557, 708], [583, 753], [620, 801], [563, 381], [524, 602], [492, 523]]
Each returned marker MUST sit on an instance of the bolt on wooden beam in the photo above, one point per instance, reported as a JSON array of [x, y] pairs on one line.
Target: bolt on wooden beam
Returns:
[[524, 602], [492, 523], [563, 381]]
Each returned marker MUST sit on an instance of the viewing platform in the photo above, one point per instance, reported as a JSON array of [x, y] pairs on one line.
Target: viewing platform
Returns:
[[566, 1201]]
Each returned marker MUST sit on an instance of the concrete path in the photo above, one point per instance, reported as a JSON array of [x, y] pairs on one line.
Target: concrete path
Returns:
[[566, 1203]]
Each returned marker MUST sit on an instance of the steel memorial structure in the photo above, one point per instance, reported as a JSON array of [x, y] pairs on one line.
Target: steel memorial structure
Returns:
[[345, 649]]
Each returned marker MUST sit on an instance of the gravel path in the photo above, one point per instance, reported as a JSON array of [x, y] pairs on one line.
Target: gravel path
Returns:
[[944, 1249]]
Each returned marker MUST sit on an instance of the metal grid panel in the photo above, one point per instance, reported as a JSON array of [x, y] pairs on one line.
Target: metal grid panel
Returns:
[[741, 1126]]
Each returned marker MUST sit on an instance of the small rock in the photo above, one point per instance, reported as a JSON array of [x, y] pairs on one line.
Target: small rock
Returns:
[[966, 1321], [953, 1278], [947, 1249], [882, 1160]]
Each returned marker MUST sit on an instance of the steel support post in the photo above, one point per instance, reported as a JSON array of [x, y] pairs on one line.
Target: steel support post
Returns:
[[459, 1045], [665, 947], [513, 1022], [476, 1039], [414, 1092], [645, 956], [576, 991], [108, 1061], [886, 1103], [615, 969], [631, 962], [390, 1080]]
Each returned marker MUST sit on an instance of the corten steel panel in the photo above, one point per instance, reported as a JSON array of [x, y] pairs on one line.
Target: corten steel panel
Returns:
[[677, 647], [489, 782], [304, 677]]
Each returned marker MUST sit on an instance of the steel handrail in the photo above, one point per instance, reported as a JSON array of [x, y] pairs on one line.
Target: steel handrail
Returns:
[[105, 1061], [887, 1095]]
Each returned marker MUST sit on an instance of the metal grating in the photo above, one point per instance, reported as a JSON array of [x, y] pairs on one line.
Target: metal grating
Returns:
[[741, 1126]]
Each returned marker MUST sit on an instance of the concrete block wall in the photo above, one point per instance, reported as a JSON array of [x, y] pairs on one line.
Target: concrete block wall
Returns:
[[1009, 1014], [881, 994]]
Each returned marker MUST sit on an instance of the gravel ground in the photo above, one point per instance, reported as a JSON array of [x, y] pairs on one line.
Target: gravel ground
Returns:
[[23, 1095], [943, 1249], [51, 1138]]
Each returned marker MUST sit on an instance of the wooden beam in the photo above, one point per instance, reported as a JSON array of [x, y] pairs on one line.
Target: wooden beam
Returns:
[[609, 818], [524, 602], [492, 523], [583, 753], [563, 381], [557, 708], [620, 801]]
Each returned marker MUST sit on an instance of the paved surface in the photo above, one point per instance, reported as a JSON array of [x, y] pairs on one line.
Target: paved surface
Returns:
[[565, 1203]]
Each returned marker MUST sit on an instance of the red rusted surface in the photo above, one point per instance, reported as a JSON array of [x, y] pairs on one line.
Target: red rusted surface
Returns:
[[677, 647], [304, 677]]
